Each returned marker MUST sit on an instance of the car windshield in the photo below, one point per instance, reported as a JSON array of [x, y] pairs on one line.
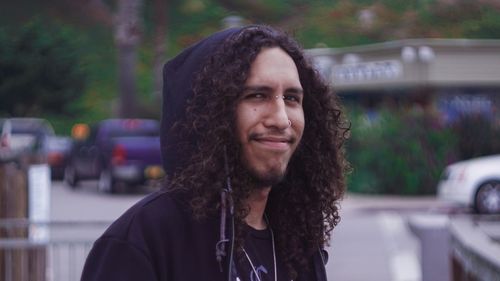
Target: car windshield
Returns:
[[59, 143], [129, 128], [124, 132]]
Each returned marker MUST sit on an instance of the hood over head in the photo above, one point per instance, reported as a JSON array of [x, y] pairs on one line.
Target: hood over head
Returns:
[[178, 76]]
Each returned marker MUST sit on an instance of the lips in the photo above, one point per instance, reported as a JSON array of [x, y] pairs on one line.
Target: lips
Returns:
[[273, 142]]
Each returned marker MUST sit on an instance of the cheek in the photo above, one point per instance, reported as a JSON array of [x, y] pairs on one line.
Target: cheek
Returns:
[[248, 114], [298, 122], [245, 118], [300, 130]]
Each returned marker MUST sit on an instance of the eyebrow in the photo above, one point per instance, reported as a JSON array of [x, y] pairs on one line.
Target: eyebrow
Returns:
[[292, 90]]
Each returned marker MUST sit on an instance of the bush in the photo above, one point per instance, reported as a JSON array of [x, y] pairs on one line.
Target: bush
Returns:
[[398, 153]]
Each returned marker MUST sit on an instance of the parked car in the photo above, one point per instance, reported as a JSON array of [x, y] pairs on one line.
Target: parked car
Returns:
[[474, 183], [59, 148], [118, 153], [26, 134]]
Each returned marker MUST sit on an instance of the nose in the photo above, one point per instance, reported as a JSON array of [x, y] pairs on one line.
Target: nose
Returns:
[[277, 116]]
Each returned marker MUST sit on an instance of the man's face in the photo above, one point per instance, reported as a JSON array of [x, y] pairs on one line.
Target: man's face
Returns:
[[269, 116]]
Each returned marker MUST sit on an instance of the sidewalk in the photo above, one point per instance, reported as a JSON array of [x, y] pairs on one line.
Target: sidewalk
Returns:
[[373, 242], [362, 202]]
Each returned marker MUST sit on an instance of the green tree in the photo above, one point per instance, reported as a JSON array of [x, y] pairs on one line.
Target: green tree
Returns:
[[39, 71]]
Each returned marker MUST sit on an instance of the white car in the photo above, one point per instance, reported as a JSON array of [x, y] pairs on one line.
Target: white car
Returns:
[[474, 183]]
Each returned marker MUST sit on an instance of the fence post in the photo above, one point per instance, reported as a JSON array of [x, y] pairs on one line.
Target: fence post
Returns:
[[432, 231], [24, 264], [13, 204]]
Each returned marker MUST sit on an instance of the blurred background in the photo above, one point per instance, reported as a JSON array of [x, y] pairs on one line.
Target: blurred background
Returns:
[[80, 100]]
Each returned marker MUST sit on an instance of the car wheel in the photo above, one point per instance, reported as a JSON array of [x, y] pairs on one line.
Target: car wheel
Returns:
[[487, 199], [70, 176], [106, 182]]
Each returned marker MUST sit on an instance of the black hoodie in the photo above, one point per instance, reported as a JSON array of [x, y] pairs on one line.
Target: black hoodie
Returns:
[[178, 76], [157, 238]]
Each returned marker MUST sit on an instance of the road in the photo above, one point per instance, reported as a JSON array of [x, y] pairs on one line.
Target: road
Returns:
[[85, 203], [372, 241]]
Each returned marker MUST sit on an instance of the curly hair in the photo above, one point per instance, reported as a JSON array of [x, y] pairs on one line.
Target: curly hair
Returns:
[[303, 208]]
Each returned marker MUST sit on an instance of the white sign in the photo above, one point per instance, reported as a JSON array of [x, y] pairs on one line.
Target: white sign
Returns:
[[367, 71], [39, 200]]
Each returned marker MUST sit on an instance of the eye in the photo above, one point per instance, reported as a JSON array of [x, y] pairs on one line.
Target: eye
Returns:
[[255, 96], [293, 98]]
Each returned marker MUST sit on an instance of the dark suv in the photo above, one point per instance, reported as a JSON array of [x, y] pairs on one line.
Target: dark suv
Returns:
[[117, 153]]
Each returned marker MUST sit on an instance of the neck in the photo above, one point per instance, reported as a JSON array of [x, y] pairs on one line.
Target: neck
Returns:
[[257, 204]]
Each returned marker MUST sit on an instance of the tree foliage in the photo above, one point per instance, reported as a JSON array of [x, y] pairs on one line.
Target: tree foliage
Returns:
[[39, 70], [345, 23], [316, 23]]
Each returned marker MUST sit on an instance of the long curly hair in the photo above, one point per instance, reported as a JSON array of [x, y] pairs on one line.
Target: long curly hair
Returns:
[[303, 208]]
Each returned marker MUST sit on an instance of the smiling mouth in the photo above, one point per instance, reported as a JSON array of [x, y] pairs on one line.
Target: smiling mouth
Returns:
[[274, 142]]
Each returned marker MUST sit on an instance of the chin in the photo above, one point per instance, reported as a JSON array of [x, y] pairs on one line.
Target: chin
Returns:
[[267, 178]]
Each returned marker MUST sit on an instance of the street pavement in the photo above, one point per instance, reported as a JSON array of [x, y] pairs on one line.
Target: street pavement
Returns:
[[373, 241], [86, 204]]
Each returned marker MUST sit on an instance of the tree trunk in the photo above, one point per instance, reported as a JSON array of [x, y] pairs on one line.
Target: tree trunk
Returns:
[[160, 47], [127, 60], [127, 38]]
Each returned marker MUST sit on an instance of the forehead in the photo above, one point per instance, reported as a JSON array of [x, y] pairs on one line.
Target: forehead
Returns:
[[272, 65]]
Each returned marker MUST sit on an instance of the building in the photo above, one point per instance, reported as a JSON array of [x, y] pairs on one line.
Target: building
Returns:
[[454, 76]]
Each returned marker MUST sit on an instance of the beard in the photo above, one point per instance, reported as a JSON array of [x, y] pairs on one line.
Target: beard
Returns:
[[262, 179], [252, 178], [265, 179]]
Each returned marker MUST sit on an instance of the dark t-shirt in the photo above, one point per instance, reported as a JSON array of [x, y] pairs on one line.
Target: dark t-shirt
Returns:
[[259, 247]]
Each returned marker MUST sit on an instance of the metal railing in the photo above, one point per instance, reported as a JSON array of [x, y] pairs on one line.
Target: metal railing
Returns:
[[58, 255]]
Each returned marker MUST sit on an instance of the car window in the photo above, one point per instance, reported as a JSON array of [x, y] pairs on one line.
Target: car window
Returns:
[[122, 132], [128, 128], [22, 141], [29, 133], [59, 143]]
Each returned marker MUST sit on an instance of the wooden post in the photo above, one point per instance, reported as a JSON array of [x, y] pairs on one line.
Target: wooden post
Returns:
[[13, 205], [23, 263]]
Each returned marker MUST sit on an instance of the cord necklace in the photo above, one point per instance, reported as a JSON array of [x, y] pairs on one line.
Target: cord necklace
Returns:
[[274, 257]]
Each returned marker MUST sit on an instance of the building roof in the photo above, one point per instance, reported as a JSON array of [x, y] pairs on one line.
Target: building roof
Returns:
[[411, 63]]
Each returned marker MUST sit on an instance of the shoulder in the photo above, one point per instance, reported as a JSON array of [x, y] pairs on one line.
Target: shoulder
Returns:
[[159, 212], [131, 248]]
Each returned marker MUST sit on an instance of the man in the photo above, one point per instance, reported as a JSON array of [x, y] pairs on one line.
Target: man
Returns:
[[252, 147]]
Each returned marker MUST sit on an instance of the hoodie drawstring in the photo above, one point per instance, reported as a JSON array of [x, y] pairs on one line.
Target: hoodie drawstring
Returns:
[[226, 198]]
